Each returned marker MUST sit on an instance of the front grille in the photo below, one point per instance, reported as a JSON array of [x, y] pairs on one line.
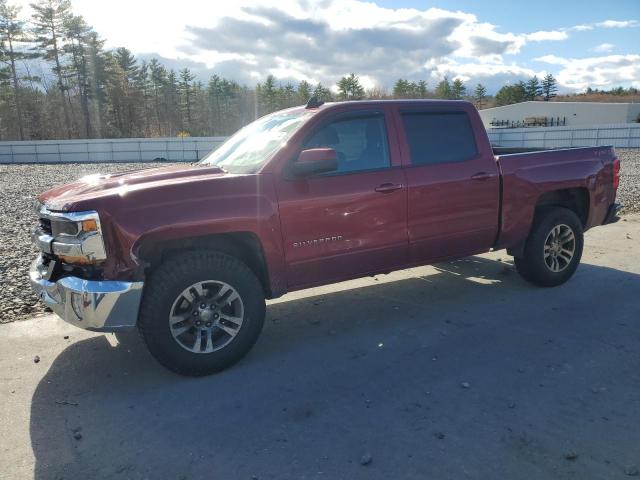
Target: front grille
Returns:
[[45, 225]]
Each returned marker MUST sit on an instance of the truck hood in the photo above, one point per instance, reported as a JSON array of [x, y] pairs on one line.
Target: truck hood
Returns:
[[94, 187]]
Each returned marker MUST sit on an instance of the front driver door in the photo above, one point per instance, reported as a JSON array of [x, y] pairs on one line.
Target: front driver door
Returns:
[[353, 221]]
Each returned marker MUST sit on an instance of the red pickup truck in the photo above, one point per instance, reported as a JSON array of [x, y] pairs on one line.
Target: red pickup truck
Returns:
[[303, 197]]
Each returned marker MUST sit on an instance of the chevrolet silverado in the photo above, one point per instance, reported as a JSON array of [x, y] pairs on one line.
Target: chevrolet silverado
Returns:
[[302, 197]]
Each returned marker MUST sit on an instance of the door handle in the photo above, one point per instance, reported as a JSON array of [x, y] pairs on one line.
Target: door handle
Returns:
[[481, 176], [388, 187]]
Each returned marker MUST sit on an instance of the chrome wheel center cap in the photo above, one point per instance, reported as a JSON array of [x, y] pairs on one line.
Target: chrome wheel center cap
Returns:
[[206, 315]]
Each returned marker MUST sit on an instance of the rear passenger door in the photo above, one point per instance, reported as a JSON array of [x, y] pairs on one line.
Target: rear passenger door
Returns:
[[453, 183]]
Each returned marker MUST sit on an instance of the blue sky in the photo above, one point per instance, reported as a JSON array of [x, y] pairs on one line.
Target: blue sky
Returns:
[[582, 43], [518, 17]]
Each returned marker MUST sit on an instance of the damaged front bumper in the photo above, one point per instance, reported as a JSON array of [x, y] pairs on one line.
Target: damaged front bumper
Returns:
[[97, 305]]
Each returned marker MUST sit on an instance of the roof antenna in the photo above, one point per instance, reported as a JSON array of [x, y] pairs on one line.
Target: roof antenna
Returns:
[[314, 103]]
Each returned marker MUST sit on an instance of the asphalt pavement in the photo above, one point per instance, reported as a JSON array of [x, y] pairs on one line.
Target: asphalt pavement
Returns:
[[460, 370]]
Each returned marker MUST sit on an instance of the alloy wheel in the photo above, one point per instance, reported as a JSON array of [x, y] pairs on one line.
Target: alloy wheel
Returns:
[[206, 316], [559, 248]]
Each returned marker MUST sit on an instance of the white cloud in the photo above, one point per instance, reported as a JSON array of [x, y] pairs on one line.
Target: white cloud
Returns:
[[604, 48], [491, 75], [553, 60], [581, 28], [618, 24], [321, 40], [601, 72], [542, 36]]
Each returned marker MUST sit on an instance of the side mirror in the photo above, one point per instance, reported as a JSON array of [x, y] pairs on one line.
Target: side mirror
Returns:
[[314, 161]]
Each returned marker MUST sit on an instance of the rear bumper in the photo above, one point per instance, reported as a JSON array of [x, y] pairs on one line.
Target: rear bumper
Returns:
[[612, 214], [103, 306]]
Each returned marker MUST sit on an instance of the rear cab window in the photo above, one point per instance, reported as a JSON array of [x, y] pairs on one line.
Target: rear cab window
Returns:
[[439, 137]]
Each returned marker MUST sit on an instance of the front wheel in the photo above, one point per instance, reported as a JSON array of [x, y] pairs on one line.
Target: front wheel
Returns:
[[553, 249], [201, 312]]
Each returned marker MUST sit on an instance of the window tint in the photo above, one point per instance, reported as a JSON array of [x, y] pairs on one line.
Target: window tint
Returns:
[[439, 137], [361, 143]]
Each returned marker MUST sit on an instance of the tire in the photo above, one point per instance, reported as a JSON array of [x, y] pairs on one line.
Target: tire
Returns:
[[230, 305], [544, 262]]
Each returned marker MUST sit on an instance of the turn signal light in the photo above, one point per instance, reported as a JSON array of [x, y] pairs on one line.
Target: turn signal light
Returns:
[[89, 225]]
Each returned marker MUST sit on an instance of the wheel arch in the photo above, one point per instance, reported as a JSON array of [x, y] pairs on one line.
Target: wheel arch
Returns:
[[244, 245], [575, 199]]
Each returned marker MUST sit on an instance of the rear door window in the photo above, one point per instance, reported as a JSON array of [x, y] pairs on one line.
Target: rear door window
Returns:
[[439, 137]]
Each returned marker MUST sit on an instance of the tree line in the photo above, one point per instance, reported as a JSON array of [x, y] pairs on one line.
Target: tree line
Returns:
[[58, 81]]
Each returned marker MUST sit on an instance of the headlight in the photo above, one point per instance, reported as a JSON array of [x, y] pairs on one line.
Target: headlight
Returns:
[[64, 227], [77, 236]]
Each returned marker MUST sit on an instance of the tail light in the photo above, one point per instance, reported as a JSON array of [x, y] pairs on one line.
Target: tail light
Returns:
[[616, 173]]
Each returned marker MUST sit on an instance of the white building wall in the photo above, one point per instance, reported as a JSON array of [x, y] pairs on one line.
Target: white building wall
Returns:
[[575, 113]]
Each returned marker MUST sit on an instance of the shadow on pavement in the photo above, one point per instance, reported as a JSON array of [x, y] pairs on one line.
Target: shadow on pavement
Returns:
[[377, 371]]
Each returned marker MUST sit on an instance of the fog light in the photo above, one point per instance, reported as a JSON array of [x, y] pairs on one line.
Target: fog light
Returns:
[[76, 304]]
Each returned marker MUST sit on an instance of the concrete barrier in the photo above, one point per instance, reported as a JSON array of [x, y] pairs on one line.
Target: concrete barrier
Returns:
[[188, 149], [623, 135]]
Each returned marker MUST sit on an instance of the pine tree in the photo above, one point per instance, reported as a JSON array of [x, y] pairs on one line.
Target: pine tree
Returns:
[[96, 60], [129, 84], [402, 89], [458, 90], [287, 96], [304, 92], [349, 88], [172, 113], [322, 94], [214, 94], [186, 93], [511, 94], [269, 95], [78, 32], [49, 18], [157, 83], [533, 88], [549, 87], [479, 95], [421, 89], [443, 90]]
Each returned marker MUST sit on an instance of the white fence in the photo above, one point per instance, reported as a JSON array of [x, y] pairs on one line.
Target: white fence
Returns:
[[186, 149], [624, 135]]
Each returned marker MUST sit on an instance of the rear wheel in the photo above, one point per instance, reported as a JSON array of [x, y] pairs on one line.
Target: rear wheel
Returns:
[[201, 312], [553, 249]]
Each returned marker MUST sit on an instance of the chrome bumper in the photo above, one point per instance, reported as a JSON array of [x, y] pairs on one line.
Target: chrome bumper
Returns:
[[103, 306]]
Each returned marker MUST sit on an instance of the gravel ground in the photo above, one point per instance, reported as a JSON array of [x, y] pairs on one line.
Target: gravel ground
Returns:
[[21, 183], [629, 191]]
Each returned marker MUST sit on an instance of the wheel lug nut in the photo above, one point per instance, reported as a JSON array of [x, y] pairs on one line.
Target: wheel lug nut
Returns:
[[195, 314], [209, 324], [203, 305], [215, 316]]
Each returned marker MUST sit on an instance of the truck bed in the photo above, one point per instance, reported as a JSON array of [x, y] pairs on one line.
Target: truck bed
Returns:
[[527, 173]]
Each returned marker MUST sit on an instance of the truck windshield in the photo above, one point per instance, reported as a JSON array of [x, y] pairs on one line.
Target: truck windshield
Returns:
[[249, 148]]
